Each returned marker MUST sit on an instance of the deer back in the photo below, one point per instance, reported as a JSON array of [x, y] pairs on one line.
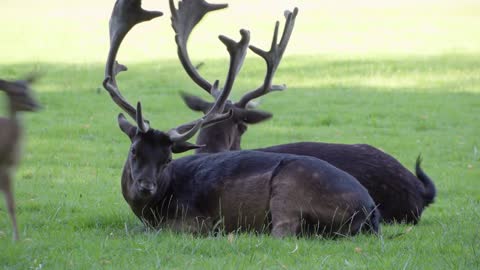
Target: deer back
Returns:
[[400, 195]]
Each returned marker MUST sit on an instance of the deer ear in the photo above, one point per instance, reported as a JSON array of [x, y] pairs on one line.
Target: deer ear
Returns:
[[195, 103], [126, 127], [180, 147], [255, 116]]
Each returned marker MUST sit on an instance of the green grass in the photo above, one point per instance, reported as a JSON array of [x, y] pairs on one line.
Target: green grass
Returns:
[[401, 78]]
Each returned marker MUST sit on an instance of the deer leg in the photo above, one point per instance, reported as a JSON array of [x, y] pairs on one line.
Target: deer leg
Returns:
[[5, 181], [285, 221], [283, 227], [11, 212]]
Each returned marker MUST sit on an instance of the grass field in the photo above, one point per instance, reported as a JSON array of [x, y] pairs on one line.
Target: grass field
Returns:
[[402, 77]]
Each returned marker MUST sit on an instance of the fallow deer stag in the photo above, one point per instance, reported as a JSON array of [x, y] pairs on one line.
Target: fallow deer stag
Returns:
[[400, 195], [233, 190], [20, 99]]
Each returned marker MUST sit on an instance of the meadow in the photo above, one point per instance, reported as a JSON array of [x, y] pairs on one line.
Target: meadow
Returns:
[[404, 77]]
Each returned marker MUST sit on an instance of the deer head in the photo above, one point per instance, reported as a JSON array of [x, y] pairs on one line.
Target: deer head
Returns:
[[151, 150], [20, 95], [226, 135]]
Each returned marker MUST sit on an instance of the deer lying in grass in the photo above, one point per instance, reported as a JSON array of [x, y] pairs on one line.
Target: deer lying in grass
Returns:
[[400, 195], [20, 99], [243, 190]]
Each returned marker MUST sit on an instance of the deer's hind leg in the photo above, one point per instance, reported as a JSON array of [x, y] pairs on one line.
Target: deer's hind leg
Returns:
[[285, 220], [284, 208], [6, 187]]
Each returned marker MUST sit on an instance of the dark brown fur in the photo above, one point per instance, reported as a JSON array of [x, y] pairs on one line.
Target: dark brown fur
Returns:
[[242, 190], [401, 196]]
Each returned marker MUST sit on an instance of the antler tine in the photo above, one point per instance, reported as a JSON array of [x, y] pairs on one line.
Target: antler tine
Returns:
[[117, 68], [184, 19], [33, 77], [237, 51], [214, 115], [272, 58], [192, 128], [125, 15], [186, 131], [141, 123]]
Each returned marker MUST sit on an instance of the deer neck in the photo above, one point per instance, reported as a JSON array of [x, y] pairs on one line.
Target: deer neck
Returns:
[[202, 140], [13, 115], [214, 142], [3, 84]]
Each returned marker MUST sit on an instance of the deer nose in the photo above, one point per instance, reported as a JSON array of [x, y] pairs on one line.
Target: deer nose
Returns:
[[147, 186]]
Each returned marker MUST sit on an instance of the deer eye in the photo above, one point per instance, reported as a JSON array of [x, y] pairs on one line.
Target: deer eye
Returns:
[[134, 152], [242, 128]]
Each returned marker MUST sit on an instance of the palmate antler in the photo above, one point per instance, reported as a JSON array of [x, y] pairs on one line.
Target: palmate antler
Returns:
[[125, 15], [128, 13], [191, 12], [184, 19]]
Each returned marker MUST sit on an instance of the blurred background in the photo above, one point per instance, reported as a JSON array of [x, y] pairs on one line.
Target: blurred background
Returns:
[[77, 31]]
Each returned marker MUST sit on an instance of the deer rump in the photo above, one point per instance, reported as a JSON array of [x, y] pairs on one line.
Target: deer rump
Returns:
[[400, 195], [250, 190]]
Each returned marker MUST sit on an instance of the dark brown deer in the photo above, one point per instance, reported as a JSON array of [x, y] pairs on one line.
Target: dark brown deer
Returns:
[[401, 196], [20, 99], [243, 190]]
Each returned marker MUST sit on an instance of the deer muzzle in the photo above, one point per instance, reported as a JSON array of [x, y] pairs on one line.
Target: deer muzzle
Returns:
[[147, 187]]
